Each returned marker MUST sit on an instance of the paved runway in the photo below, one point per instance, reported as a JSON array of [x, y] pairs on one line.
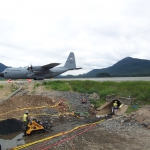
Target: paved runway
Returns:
[[115, 79]]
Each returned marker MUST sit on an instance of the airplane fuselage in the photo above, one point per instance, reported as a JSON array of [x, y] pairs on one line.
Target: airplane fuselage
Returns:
[[23, 73]]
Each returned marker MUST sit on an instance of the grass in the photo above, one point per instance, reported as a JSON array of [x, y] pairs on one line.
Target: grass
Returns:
[[36, 85], [1, 86], [13, 88], [131, 109], [97, 103], [139, 90], [57, 85]]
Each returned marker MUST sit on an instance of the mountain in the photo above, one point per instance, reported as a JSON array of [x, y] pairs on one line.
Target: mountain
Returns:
[[126, 67], [2, 67]]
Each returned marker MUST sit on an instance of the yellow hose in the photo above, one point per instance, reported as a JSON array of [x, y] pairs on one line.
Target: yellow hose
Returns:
[[31, 108]]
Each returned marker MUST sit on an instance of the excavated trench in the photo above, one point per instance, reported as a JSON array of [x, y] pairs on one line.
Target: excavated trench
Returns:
[[37, 106], [16, 106], [11, 129]]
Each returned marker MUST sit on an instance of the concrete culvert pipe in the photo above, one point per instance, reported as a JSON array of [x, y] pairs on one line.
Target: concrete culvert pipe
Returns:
[[107, 108]]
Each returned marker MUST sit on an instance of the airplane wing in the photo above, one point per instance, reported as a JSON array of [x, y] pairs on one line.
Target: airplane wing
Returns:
[[49, 66]]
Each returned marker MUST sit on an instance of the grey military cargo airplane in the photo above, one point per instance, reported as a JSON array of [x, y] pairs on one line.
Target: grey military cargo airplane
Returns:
[[40, 72]]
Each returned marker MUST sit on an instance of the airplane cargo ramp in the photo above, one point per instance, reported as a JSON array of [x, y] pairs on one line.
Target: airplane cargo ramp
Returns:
[[107, 108]]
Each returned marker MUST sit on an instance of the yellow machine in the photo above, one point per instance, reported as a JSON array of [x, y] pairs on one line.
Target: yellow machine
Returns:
[[36, 125]]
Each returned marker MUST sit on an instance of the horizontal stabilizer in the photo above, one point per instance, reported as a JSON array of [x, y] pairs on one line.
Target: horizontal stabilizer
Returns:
[[75, 68], [49, 66]]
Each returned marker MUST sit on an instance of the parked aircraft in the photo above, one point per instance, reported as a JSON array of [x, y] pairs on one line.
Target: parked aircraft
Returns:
[[40, 72]]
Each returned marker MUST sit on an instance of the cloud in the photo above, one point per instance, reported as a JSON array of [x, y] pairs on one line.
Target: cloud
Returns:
[[100, 33]]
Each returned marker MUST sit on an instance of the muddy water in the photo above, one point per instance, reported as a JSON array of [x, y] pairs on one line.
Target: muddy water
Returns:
[[11, 140]]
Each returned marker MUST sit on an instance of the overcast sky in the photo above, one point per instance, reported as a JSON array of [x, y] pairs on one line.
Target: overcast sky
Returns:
[[99, 32]]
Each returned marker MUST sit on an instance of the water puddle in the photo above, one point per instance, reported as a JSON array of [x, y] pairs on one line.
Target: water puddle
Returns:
[[12, 140]]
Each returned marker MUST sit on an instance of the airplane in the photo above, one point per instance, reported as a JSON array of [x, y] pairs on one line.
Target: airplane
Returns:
[[40, 72]]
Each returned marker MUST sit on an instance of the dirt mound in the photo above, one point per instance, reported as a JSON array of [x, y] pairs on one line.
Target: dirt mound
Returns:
[[10, 126], [142, 116], [11, 106]]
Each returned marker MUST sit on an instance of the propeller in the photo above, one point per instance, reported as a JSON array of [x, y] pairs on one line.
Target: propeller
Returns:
[[30, 68]]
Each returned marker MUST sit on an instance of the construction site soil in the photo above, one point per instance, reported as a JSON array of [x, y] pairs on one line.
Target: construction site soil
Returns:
[[126, 132]]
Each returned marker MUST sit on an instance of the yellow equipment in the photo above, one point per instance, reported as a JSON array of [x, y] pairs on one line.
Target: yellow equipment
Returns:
[[36, 125]]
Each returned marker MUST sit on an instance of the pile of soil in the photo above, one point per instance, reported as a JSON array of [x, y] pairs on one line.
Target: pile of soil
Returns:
[[43, 99], [10, 126], [25, 101], [142, 116]]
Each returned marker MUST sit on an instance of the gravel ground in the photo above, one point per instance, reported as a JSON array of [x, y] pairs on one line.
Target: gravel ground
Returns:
[[115, 133], [72, 97]]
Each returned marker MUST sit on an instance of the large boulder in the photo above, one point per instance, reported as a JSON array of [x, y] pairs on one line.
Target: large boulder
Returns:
[[94, 96]]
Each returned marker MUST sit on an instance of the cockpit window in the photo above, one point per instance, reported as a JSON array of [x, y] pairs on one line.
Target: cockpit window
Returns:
[[5, 72]]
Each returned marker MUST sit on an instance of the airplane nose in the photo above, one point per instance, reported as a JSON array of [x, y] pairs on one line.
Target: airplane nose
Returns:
[[1, 74]]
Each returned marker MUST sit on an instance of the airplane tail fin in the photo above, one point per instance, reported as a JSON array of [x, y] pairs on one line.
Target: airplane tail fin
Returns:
[[71, 63]]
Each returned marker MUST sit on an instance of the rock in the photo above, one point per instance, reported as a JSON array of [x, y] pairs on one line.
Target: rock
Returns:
[[92, 106], [98, 109], [148, 127], [122, 121], [94, 96], [84, 100], [53, 101]]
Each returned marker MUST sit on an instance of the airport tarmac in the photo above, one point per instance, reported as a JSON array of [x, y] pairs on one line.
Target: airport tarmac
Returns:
[[115, 79]]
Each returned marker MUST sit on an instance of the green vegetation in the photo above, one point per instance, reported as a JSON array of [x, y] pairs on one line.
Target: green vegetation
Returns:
[[1, 86], [97, 103], [139, 90], [103, 74], [13, 88], [57, 85], [131, 109], [36, 85], [33, 92]]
